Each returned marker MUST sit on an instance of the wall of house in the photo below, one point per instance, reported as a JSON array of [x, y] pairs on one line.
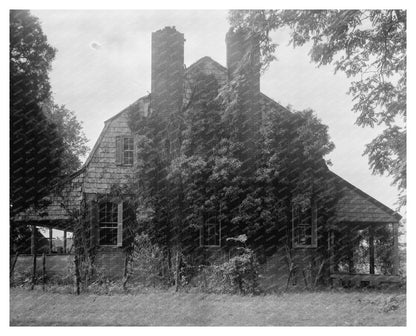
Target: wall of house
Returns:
[[110, 263], [102, 171], [306, 261]]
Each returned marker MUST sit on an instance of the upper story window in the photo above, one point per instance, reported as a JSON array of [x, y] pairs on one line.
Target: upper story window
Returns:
[[304, 226], [128, 151], [124, 150]]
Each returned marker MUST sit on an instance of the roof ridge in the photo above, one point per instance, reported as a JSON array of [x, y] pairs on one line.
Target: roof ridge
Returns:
[[126, 108], [206, 58]]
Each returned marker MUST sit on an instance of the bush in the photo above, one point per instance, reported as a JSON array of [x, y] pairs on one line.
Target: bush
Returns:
[[147, 263], [239, 275]]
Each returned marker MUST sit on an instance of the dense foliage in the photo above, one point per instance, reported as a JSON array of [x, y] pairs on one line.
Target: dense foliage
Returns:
[[20, 240], [70, 129], [46, 140], [367, 45], [208, 181], [36, 147]]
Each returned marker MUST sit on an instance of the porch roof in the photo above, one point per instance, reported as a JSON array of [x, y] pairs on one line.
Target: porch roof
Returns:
[[357, 206], [58, 224]]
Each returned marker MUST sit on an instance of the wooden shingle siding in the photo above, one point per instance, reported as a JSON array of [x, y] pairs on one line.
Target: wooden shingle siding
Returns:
[[355, 207], [105, 168]]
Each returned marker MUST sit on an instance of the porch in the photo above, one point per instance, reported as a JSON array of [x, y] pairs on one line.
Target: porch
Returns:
[[55, 245], [364, 254], [363, 280]]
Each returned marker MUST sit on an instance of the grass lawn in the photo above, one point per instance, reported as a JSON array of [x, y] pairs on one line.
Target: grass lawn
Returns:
[[165, 308]]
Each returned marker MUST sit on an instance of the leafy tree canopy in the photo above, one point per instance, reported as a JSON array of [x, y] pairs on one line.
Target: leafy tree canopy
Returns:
[[367, 45], [45, 139], [208, 182], [70, 129]]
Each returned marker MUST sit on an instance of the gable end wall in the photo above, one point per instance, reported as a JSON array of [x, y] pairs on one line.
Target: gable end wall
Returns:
[[354, 207], [102, 171]]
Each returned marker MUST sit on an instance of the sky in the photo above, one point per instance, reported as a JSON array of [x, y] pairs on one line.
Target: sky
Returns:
[[103, 63]]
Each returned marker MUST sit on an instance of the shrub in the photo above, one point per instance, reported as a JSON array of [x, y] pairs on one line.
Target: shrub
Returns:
[[147, 263], [238, 275]]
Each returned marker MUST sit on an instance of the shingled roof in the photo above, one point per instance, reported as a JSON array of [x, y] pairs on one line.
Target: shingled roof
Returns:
[[353, 205]]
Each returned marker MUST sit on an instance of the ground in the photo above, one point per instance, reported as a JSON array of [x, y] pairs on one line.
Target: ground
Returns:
[[165, 308]]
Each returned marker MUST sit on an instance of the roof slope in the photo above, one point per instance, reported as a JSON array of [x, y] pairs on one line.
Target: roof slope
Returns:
[[356, 205]]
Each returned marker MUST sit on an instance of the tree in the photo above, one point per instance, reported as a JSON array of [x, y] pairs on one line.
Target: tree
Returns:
[[70, 129], [367, 45], [36, 147], [20, 240]]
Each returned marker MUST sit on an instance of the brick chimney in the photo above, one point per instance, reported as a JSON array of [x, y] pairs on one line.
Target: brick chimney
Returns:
[[243, 63], [167, 71], [243, 58]]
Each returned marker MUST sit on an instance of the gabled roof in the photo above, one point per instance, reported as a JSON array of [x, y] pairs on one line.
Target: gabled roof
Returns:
[[208, 62], [135, 106], [131, 107]]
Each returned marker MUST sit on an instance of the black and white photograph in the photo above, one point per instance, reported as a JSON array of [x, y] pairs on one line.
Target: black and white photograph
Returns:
[[207, 167]]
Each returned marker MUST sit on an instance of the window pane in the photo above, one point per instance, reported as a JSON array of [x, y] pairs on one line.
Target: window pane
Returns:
[[303, 226], [108, 236], [128, 147], [128, 157], [108, 223], [211, 234], [108, 215], [114, 213], [128, 143]]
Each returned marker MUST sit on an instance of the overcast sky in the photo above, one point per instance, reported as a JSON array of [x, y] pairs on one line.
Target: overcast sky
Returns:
[[103, 65]]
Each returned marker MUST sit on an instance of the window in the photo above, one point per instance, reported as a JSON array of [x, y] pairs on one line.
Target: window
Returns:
[[210, 234], [124, 150], [128, 151], [111, 223], [304, 226]]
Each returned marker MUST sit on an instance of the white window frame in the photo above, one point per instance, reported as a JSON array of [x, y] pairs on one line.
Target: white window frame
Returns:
[[119, 225], [120, 151], [202, 238], [314, 228], [123, 155]]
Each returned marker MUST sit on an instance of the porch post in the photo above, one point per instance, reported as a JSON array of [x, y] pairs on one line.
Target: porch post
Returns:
[[64, 241], [33, 241], [351, 238], [371, 245], [50, 241], [395, 248], [331, 251]]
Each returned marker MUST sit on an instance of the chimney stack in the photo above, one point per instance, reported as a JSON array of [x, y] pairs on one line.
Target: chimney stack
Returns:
[[243, 57], [243, 63], [167, 71]]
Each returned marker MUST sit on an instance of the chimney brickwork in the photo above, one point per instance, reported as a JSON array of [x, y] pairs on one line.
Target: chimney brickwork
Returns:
[[243, 63], [167, 70], [167, 87]]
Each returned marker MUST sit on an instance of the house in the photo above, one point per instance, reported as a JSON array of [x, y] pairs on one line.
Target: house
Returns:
[[111, 162]]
